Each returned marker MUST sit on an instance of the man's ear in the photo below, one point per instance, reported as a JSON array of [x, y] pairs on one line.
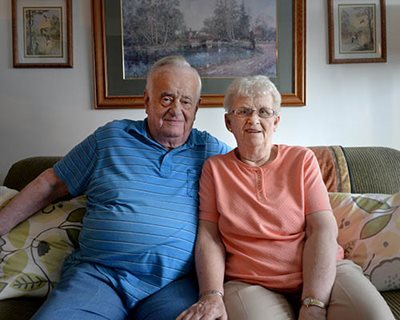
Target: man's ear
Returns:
[[146, 99], [227, 122], [198, 105]]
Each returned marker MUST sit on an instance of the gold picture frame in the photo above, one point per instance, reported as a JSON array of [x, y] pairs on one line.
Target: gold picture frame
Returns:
[[42, 33], [114, 92], [357, 31]]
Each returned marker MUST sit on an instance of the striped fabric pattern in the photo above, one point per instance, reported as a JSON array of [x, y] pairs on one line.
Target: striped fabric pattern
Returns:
[[142, 199], [393, 300], [333, 165], [373, 169]]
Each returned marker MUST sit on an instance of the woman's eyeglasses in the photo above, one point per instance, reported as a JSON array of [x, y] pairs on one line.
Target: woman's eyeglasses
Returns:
[[244, 112]]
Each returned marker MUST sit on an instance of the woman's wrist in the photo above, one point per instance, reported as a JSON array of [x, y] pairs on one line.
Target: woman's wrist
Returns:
[[211, 293]]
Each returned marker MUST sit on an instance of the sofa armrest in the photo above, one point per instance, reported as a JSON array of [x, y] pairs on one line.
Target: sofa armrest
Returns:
[[373, 169], [24, 171], [359, 169]]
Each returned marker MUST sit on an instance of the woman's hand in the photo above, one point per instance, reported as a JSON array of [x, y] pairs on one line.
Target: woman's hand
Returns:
[[209, 307], [312, 313]]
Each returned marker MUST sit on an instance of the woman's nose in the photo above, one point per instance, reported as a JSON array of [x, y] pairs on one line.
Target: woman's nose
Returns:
[[254, 117]]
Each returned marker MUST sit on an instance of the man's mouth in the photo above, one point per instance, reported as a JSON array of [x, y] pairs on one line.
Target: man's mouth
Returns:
[[173, 121]]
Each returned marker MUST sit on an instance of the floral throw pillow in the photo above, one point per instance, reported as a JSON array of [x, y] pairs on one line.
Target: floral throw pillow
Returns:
[[32, 254], [369, 232]]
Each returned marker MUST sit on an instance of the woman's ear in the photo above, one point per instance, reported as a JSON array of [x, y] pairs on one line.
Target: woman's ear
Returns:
[[276, 121], [227, 122]]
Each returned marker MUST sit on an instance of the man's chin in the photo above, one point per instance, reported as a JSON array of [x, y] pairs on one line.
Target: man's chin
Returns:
[[174, 128], [173, 133]]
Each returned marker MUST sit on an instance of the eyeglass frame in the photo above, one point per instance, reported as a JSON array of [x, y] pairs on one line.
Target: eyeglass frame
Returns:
[[274, 112]]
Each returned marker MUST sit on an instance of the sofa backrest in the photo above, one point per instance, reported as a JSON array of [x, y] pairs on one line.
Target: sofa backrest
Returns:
[[344, 169], [359, 169]]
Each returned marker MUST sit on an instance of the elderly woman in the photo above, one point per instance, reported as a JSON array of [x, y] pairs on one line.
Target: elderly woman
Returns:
[[266, 246]]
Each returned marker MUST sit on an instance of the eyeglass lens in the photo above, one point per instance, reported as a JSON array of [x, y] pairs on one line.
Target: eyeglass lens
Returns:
[[247, 112]]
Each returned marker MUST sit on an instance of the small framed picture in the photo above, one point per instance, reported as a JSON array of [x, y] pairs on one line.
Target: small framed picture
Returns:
[[42, 33], [357, 31]]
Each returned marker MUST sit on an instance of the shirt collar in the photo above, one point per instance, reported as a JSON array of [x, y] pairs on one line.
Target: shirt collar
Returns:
[[142, 128]]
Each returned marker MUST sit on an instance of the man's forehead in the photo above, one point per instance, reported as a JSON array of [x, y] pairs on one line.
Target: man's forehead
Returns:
[[167, 80], [172, 70], [177, 93], [175, 80]]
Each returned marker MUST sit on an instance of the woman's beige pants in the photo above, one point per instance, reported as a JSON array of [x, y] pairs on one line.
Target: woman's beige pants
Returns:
[[353, 297]]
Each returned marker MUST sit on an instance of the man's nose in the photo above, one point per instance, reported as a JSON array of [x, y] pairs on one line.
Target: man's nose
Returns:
[[176, 107]]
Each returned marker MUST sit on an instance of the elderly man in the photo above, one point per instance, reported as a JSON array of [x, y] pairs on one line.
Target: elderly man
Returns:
[[141, 182]]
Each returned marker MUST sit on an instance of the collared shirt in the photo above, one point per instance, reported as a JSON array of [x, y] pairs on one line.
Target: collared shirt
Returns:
[[141, 198]]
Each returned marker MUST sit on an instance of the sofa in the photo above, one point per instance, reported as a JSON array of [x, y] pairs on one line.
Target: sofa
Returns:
[[348, 172]]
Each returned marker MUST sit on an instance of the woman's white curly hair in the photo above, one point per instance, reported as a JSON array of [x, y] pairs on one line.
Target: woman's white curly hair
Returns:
[[252, 86]]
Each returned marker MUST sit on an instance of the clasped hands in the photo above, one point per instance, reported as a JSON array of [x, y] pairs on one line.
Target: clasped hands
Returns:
[[209, 307], [212, 307]]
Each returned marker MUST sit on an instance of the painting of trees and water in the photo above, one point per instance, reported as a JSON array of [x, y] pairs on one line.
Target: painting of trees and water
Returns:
[[357, 28], [220, 38]]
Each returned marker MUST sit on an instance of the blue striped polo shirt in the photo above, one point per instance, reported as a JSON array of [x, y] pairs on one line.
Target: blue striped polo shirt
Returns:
[[142, 201]]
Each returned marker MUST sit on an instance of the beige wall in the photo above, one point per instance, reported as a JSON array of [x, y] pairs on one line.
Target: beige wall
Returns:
[[48, 111]]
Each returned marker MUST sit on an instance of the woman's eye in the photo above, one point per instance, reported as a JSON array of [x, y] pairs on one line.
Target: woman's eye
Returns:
[[243, 111]]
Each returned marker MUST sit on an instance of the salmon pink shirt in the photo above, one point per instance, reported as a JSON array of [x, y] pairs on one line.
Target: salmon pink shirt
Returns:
[[261, 213]]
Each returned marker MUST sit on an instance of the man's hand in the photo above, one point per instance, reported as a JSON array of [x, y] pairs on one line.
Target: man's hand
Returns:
[[209, 307]]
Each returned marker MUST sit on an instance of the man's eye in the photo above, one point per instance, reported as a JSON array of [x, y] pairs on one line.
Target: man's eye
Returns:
[[166, 101], [186, 103]]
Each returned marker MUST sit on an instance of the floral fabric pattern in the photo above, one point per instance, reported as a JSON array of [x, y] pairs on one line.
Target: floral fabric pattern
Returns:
[[369, 232], [32, 254]]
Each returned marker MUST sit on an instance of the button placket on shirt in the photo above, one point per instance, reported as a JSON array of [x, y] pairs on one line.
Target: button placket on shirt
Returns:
[[165, 165], [259, 184]]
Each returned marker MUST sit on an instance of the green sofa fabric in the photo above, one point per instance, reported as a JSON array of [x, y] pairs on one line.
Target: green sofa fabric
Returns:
[[345, 169]]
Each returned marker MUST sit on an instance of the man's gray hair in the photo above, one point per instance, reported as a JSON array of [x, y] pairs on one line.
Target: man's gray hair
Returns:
[[173, 61], [252, 86]]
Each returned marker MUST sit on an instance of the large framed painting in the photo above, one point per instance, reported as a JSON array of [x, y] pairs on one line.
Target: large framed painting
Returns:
[[357, 31], [221, 39], [42, 33]]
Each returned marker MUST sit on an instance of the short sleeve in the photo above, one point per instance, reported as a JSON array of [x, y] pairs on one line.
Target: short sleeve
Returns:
[[77, 167], [208, 202], [315, 192]]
